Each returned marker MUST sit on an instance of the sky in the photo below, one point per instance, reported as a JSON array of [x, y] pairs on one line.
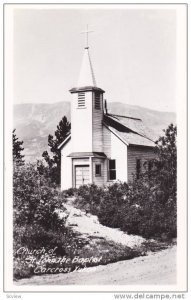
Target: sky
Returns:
[[133, 52]]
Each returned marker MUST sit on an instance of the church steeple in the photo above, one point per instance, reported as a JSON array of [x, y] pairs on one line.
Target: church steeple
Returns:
[[86, 80], [87, 109], [87, 77]]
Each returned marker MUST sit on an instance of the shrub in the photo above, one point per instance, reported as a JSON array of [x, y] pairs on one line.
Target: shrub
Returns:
[[110, 204], [70, 192], [88, 197], [141, 208], [36, 203], [35, 200]]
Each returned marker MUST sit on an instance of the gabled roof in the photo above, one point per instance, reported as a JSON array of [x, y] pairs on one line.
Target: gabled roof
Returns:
[[64, 141], [130, 130]]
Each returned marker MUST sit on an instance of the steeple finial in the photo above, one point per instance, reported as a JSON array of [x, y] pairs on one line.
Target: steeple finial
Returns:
[[86, 32]]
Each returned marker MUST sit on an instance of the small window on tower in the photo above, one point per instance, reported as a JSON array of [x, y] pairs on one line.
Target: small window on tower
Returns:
[[81, 100], [97, 101]]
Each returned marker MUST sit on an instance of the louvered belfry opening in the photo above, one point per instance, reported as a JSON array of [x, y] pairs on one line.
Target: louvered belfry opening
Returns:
[[81, 100], [97, 100]]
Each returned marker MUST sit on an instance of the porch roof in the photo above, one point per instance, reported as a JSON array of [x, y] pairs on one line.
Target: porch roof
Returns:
[[87, 154]]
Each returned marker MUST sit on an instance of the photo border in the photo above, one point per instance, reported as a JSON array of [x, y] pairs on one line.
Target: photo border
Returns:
[[4, 151]]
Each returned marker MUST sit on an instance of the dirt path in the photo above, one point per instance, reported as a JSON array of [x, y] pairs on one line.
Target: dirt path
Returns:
[[88, 225], [156, 268]]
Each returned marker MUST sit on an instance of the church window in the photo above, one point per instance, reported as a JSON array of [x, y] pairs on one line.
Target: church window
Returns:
[[98, 170], [97, 101], [138, 168], [81, 100], [112, 169]]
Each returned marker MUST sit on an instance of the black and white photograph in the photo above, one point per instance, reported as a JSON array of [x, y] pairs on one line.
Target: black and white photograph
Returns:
[[95, 147]]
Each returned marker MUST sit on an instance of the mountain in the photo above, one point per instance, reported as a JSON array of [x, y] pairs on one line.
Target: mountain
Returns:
[[34, 122]]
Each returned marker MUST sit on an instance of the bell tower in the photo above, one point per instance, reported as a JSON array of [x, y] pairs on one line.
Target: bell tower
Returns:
[[87, 109]]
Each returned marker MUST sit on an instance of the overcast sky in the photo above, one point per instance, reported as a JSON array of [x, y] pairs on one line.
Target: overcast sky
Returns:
[[133, 54]]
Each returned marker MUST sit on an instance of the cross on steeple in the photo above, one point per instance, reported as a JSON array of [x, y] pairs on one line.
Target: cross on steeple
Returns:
[[86, 32]]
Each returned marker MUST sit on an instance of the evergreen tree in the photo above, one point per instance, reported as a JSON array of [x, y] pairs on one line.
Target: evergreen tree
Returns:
[[167, 161], [17, 149], [54, 161]]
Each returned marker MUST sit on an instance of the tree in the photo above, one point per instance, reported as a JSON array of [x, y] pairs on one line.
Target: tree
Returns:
[[54, 161], [151, 207], [166, 163], [17, 149]]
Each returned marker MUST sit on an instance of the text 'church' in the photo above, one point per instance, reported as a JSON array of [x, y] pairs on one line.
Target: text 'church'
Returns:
[[102, 147]]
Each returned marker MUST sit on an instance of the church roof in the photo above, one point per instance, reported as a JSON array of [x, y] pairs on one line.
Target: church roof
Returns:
[[130, 130], [64, 141], [86, 77]]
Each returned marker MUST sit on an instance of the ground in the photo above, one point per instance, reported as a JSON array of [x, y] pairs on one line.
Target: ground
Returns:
[[88, 225], [154, 268]]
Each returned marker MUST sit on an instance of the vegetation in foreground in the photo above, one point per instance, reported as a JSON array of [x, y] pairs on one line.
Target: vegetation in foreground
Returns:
[[146, 207], [42, 240]]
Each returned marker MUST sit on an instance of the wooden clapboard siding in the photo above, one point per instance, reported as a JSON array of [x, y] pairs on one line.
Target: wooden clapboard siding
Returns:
[[81, 124], [100, 180], [119, 153], [107, 141], [80, 161], [114, 148], [137, 152], [97, 127]]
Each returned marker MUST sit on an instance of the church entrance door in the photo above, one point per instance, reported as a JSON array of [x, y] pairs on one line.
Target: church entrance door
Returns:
[[82, 175]]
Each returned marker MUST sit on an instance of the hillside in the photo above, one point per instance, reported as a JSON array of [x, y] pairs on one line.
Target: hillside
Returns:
[[34, 122]]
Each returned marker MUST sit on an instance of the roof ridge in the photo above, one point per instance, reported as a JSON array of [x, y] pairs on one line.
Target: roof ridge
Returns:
[[125, 117]]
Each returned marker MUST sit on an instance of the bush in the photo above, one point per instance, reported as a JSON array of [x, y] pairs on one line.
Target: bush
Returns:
[[70, 192], [88, 197], [36, 203], [137, 208], [148, 205], [35, 200], [113, 198]]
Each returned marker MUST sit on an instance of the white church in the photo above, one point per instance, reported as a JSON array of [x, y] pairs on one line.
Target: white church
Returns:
[[102, 148]]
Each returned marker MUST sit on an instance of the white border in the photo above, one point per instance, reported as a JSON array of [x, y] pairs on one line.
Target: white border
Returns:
[[182, 157]]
